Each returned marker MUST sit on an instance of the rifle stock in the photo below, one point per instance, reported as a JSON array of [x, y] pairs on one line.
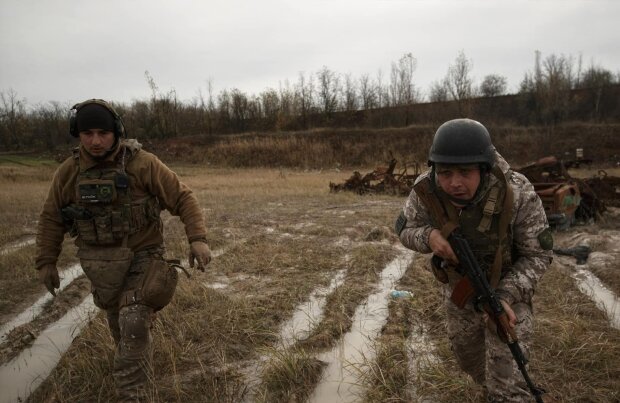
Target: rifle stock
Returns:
[[486, 297]]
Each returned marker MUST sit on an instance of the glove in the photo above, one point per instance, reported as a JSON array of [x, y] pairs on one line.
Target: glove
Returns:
[[199, 250], [48, 275]]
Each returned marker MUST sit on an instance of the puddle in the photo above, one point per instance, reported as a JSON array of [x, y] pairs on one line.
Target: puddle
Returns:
[[421, 353], [421, 348], [339, 381], [32, 366], [605, 299], [300, 325], [216, 285], [18, 244], [308, 314], [66, 277]]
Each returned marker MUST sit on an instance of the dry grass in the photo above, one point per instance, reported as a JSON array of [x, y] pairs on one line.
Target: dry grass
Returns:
[[282, 236], [24, 183], [289, 376], [321, 148]]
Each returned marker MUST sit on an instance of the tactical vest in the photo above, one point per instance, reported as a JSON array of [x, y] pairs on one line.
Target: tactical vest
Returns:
[[104, 213], [485, 224]]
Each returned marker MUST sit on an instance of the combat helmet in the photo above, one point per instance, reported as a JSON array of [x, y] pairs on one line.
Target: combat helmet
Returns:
[[462, 141]]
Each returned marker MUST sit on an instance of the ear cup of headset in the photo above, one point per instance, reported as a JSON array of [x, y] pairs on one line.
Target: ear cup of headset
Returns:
[[73, 121]]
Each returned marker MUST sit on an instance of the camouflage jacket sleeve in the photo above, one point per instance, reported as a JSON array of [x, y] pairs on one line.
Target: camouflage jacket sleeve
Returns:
[[50, 228], [531, 260], [418, 227], [175, 197]]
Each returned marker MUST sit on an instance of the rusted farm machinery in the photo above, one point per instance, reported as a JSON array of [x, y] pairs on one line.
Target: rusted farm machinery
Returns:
[[383, 180], [566, 199]]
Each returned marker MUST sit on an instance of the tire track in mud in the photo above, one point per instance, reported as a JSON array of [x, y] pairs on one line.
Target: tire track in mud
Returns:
[[33, 365], [583, 274], [67, 276], [304, 319], [308, 314], [344, 361], [11, 247]]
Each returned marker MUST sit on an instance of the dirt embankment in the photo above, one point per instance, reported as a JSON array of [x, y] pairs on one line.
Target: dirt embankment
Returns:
[[330, 148]]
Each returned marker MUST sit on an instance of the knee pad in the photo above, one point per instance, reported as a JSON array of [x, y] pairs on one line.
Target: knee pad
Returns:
[[135, 322]]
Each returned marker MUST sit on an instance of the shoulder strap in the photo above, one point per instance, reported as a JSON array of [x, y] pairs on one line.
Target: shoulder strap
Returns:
[[445, 219], [502, 228]]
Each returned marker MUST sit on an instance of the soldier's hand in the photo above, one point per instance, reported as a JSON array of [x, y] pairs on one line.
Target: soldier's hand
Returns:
[[48, 275], [441, 247], [511, 324], [200, 252]]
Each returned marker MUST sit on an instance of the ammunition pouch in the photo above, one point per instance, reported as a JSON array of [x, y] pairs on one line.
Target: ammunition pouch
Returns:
[[106, 268], [108, 225]]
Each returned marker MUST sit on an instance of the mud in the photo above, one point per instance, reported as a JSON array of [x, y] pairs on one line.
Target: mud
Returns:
[[26, 340], [31, 367], [11, 247], [308, 313], [66, 277], [344, 362], [24, 335]]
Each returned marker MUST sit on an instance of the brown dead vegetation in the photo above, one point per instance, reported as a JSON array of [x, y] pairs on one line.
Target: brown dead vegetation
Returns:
[[282, 235]]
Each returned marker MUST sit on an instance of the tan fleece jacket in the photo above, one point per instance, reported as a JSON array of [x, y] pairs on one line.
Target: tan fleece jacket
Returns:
[[147, 176]]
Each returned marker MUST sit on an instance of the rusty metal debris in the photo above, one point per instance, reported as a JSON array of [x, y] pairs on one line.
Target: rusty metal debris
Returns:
[[382, 180], [566, 199]]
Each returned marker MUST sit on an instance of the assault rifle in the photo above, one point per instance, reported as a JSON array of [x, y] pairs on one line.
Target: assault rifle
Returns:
[[486, 298]]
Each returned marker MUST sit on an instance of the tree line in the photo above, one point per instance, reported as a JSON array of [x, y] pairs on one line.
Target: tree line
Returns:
[[546, 96]]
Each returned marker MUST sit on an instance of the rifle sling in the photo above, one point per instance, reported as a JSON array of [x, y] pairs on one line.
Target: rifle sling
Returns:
[[445, 217]]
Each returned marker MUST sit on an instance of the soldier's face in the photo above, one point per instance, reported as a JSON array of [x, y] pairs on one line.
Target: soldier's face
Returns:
[[97, 142], [460, 181]]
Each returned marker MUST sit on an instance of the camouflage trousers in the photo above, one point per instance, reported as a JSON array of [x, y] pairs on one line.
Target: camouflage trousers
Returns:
[[482, 355], [130, 326]]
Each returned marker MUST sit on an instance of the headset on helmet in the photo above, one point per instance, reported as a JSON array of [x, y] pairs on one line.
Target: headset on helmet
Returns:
[[119, 128]]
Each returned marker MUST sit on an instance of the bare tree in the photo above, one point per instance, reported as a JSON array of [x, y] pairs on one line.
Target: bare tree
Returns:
[[287, 104], [382, 93], [165, 108], [597, 79], [493, 85], [12, 119], [438, 91], [224, 109], [239, 109], [458, 79], [550, 84], [402, 89], [304, 91], [329, 86], [271, 105], [367, 92], [50, 123], [349, 94]]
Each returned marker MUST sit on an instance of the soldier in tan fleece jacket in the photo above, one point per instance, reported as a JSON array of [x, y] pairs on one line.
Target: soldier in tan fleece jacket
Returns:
[[109, 195]]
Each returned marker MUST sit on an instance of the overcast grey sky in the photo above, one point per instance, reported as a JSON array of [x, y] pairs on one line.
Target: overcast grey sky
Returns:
[[72, 50]]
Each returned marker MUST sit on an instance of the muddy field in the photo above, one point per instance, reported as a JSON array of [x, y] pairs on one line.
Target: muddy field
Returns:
[[295, 305]]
